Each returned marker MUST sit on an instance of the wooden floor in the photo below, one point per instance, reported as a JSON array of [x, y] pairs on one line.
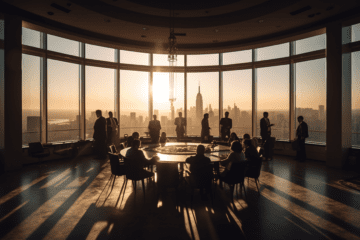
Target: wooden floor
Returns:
[[70, 199]]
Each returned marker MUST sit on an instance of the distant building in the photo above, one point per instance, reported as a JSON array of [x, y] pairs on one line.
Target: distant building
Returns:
[[141, 120], [156, 112], [321, 112], [199, 105], [132, 119], [164, 120]]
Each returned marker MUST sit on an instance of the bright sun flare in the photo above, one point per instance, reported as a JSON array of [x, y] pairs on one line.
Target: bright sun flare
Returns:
[[161, 87]]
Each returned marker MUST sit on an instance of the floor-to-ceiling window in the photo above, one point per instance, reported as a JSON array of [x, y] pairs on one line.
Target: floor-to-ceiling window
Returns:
[[237, 57], [273, 97], [63, 101], [202, 97], [31, 124], [355, 32], [273, 52], [62, 45], [237, 100], [135, 58], [310, 44], [99, 53], [355, 98], [202, 60], [134, 102], [30, 37], [311, 97], [2, 86], [99, 94], [168, 99]]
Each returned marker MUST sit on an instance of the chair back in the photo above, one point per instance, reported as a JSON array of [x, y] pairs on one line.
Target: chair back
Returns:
[[254, 170], [133, 170], [112, 149], [202, 177], [236, 173], [167, 174], [116, 168], [35, 147]]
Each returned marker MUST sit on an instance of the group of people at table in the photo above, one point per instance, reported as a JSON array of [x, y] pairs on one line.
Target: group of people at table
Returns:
[[105, 132]]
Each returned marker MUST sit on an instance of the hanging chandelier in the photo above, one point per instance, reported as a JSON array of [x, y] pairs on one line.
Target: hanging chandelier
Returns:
[[172, 49]]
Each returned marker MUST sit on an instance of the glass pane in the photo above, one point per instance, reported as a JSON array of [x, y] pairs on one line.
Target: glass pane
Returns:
[[355, 98], [137, 58], [100, 53], [30, 37], [273, 52], [311, 97], [237, 100], [2, 95], [202, 97], [30, 99], [273, 97], [355, 32], [237, 57], [2, 29], [203, 60], [99, 95], [134, 102], [63, 45], [162, 60], [162, 94], [311, 44], [63, 101]]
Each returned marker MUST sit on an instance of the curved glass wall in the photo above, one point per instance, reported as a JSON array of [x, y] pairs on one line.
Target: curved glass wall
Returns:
[[355, 104], [355, 32], [2, 29], [64, 81]]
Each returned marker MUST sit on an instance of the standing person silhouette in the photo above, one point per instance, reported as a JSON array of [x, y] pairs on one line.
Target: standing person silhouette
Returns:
[[154, 129], [111, 125], [205, 129], [265, 132], [301, 133], [226, 125], [180, 123], [100, 135]]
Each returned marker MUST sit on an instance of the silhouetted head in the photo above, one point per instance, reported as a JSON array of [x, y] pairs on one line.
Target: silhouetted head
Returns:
[[136, 135], [226, 114], [206, 115], [236, 147], [247, 143], [154, 116], [233, 135], [110, 114], [98, 113], [200, 150], [135, 144], [246, 136], [266, 114], [300, 119], [180, 114], [163, 134]]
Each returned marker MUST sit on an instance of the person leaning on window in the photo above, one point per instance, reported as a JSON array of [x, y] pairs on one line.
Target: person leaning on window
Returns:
[[236, 155], [301, 133]]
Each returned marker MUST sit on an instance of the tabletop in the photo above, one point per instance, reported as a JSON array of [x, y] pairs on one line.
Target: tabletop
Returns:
[[168, 152]]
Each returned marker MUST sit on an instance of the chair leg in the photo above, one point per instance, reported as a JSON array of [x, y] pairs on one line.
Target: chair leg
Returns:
[[256, 181], [134, 182], [242, 185], [232, 192], [143, 186]]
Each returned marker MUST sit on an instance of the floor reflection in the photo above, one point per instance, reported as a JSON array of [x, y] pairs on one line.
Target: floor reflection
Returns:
[[78, 200]]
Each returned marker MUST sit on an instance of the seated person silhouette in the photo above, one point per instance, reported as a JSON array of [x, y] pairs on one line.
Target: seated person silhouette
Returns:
[[233, 137], [139, 161], [251, 153], [236, 155], [133, 137], [197, 164], [247, 137], [163, 138]]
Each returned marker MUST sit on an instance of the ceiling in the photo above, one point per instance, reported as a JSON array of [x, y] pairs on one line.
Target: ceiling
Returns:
[[209, 25]]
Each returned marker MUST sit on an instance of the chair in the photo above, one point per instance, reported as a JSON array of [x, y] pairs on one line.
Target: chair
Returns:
[[235, 176], [117, 169], [136, 173], [37, 150], [112, 149], [168, 175], [202, 178], [254, 172]]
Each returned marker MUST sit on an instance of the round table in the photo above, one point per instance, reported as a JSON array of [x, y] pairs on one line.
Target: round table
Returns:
[[216, 154]]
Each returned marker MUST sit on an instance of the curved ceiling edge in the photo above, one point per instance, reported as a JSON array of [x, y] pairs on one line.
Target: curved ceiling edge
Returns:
[[194, 22]]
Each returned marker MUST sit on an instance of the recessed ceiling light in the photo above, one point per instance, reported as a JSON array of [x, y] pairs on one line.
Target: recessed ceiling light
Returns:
[[260, 21], [50, 13], [143, 36], [144, 28], [216, 30]]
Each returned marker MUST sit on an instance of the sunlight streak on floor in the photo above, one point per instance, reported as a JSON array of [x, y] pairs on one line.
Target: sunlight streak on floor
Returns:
[[14, 210], [77, 210], [238, 222], [307, 216], [326, 204], [96, 230], [298, 226], [190, 225], [62, 181], [56, 179], [21, 189]]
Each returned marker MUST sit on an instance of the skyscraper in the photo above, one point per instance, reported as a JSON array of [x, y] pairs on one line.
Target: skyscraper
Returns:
[[199, 105], [321, 112]]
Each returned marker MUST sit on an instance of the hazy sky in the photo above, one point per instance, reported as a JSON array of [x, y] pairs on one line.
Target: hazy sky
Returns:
[[273, 82]]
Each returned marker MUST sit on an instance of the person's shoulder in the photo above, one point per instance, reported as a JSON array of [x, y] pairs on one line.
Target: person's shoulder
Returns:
[[190, 159]]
